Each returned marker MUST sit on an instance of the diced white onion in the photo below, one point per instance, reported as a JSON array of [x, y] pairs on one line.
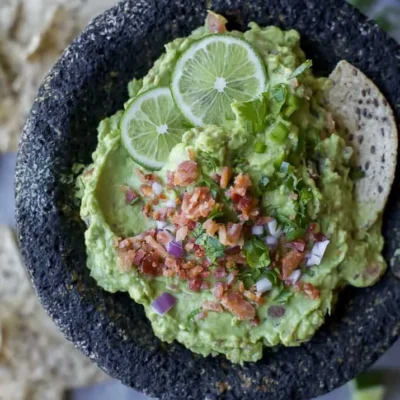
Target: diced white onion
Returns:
[[157, 188], [317, 253], [263, 285], [274, 229], [161, 224], [257, 230], [170, 203], [294, 276], [313, 260], [271, 240], [230, 278], [170, 228]]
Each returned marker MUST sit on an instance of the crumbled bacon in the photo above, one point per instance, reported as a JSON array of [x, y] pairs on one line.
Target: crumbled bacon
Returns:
[[186, 173], [180, 219], [189, 246], [241, 184], [237, 305], [156, 246], [192, 154], [220, 272], [205, 274], [147, 207], [290, 262], [248, 207], [238, 258], [195, 284], [308, 289], [181, 233], [211, 227], [212, 306], [188, 265], [163, 237], [262, 220], [257, 298], [139, 257], [147, 190], [150, 265], [241, 287], [194, 272], [170, 179], [218, 290], [216, 23], [217, 178], [160, 214], [299, 245], [126, 260], [197, 204], [233, 234], [225, 177], [146, 178]]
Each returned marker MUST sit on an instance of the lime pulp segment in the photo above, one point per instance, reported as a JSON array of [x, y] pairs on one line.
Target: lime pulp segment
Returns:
[[213, 73], [151, 126]]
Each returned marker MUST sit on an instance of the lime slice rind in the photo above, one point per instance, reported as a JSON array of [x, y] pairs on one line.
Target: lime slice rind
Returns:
[[151, 126], [213, 72]]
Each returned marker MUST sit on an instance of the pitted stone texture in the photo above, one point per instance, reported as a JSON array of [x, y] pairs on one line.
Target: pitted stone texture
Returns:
[[89, 83]]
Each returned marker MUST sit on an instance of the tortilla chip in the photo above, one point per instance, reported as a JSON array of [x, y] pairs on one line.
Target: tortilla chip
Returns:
[[359, 107], [32, 348], [13, 390]]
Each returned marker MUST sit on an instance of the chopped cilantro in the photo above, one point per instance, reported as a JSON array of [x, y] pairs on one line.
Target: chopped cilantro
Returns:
[[208, 161], [283, 297], [212, 246], [301, 69], [309, 272], [193, 314], [251, 114], [215, 214], [257, 253], [273, 276]]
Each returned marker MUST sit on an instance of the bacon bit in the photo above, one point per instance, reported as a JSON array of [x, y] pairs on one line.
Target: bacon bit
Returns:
[[126, 260], [170, 179], [248, 207], [157, 247], [188, 265], [237, 305], [150, 265], [222, 235], [253, 297], [180, 220], [147, 208], [170, 212], [262, 220], [163, 237], [241, 287], [147, 190], [146, 178], [205, 274], [241, 184], [182, 274], [230, 264], [220, 272], [160, 214], [199, 252], [192, 154], [130, 196], [225, 177], [212, 306], [216, 23], [189, 246], [168, 273], [181, 233], [171, 263], [218, 290], [237, 258], [232, 250], [299, 245], [186, 173], [195, 284], [192, 273], [308, 289], [211, 227], [140, 254], [290, 262], [313, 234], [198, 204], [233, 234]]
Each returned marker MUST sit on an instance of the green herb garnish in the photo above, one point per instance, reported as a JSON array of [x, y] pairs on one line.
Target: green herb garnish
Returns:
[[212, 246], [193, 314], [257, 253], [283, 297], [301, 69]]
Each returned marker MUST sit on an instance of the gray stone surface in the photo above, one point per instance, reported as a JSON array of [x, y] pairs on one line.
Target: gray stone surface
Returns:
[[111, 329]]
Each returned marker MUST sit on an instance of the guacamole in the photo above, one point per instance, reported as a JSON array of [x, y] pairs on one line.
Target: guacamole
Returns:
[[249, 227]]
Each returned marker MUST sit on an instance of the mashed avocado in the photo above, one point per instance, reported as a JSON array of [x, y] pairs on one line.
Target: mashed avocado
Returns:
[[301, 184]]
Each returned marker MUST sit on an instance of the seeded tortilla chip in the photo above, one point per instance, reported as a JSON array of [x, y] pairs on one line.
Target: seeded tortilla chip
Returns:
[[361, 109]]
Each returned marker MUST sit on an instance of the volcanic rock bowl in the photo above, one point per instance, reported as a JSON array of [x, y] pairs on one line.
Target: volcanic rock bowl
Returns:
[[89, 83]]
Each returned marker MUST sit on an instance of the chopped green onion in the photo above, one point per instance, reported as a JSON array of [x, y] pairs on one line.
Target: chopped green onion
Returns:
[[280, 132], [279, 93], [260, 147], [293, 104]]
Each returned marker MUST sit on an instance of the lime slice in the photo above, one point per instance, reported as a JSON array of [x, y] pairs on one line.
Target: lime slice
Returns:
[[151, 126], [214, 72]]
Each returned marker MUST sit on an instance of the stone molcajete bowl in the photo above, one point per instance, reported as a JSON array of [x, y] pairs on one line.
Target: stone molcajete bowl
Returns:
[[89, 83]]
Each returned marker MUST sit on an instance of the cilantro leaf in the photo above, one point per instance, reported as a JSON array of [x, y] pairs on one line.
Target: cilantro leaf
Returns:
[[301, 69], [251, 114], [193, 314], [283, 297], [208, 161], [276, 98], [257, 253], [216, 213], [214, 248]]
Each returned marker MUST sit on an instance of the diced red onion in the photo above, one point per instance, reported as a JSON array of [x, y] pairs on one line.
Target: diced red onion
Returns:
[[161, 224], [271, 240], [294, 277], [163, 303], [157, 188], [274, 229], [170, 203], [175, 248], [257, 230], [263, 285]]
